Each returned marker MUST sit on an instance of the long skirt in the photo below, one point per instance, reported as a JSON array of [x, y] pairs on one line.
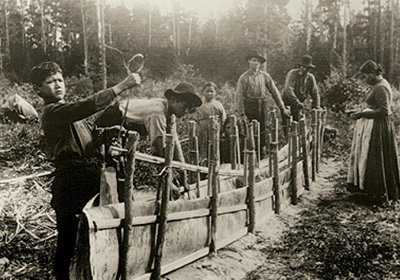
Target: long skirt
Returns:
[[374, 167]]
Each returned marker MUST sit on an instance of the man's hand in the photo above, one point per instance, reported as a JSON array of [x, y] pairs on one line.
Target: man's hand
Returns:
[[130, 81], [112, 132], [356, 115], [285, 113]]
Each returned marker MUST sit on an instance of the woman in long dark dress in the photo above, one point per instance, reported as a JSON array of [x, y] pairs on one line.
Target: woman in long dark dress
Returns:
[[374, 167]]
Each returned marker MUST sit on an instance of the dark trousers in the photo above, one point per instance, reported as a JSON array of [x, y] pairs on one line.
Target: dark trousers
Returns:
[[255, 109], [295, 113], [72, 188]]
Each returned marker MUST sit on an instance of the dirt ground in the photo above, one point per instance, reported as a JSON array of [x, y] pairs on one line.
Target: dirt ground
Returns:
[[246, 258]]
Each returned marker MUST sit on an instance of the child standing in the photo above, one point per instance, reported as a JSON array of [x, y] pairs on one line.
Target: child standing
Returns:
[[210, 107], [72, 145]]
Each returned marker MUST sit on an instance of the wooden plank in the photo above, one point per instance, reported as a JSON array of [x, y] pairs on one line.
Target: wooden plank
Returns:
[[177, 264], [263, 197], [235, 236], [177, 216], [231, 209]]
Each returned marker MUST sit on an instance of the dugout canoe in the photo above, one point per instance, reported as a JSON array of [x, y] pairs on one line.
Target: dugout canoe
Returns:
[[99, 243]]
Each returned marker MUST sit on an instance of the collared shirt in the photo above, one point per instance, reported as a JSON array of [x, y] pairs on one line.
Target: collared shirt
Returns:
[[298, 86], [68, 136], [152, 113], [256, 85]]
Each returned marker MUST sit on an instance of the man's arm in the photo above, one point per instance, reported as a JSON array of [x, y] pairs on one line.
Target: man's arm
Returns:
[[270, 84], [314, 92], [75, 111], [240, 90], [288, 90]]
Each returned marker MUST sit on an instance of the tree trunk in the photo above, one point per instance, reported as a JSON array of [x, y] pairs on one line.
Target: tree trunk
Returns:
[[189, 42], [345, 23], [391, 39], [1, 58], [85, 39], [101, 41], [43, 27], [110, 38], [150, 31], [85, 42], [381, 34], [174, 31], [7, 53], [308, 8]]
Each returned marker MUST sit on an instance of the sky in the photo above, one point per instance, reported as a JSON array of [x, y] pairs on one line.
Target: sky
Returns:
[[208, 9]]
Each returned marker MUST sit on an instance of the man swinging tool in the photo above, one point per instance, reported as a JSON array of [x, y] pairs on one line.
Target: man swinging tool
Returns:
[[151, 116], [72, 144]]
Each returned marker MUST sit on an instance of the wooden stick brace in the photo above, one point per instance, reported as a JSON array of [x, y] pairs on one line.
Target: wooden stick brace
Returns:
[[305, 153], [233, 141], [214, 185], [256, 139], [163, 215], [194, 154], [251, 179], [277, 191], [314, 144], [293, 173], [131, 144]]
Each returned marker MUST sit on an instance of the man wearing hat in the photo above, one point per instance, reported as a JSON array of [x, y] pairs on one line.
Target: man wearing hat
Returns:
[[150, 116], [298, 85], [252, 88]]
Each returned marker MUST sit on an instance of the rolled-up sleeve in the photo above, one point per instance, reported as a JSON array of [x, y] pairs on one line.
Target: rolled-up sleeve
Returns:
[[240, 90], [314, 92], [269, 83], [288, 90]]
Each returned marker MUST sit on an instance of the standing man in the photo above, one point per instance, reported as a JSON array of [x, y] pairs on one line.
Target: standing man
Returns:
[[298, 85], [252, 88]]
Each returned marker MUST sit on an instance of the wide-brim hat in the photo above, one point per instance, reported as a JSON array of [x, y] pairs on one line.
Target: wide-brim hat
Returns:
[[186, 92], [306, 61], [255, 54]]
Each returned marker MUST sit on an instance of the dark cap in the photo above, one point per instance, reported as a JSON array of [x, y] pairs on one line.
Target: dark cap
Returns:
[[255, 54], [371, 67], [184, 91], [306, 61]]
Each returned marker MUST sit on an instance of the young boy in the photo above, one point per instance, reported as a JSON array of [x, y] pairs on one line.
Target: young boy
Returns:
[[72, 145]]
